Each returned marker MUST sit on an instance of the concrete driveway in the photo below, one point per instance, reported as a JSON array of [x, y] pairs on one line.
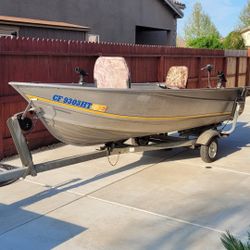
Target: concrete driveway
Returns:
[[155, 200]]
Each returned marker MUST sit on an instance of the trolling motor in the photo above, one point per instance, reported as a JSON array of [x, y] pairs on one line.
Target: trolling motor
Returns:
[[221, 79], [82, 74], [209, 68]]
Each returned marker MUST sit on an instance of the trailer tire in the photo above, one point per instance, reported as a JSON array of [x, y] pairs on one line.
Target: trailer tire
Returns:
[[142, 141], [25, 123], [209, 152]]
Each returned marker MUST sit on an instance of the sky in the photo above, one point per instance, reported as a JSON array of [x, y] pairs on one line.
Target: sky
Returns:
[[223, 13]]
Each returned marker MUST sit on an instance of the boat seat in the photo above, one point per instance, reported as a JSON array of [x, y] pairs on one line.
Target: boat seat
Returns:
[[177, 77], [111, 72]]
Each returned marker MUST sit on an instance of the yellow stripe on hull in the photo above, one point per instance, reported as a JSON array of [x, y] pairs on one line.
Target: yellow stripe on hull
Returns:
[[110, 115]]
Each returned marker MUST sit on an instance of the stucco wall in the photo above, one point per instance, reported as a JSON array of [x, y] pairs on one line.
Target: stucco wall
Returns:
[[113, 20], [51, 33], [246, 37]]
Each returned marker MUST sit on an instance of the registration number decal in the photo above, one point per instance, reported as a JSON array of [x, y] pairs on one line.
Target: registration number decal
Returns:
[[79, 103]]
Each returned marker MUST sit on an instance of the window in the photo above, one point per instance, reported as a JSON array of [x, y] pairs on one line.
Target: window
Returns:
[[93, 38], [9, 31]]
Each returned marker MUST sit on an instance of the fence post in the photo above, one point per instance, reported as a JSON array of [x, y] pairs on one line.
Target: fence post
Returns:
[[237, 71], [1, 138], [248, 69], [160, 76], [248, 72], [199, 83], [225, 66]]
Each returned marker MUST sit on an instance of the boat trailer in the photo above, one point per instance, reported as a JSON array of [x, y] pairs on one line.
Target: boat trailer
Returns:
[[203, 137]]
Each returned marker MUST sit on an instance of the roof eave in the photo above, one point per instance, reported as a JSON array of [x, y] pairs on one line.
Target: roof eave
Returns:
[[28, 22], [245, 30], [85, 29], [179, 13]]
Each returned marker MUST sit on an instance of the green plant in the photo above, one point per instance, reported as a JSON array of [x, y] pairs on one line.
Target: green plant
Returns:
[[234, 40], [245, 15], [199, 24], [232, 243], [209, 42]]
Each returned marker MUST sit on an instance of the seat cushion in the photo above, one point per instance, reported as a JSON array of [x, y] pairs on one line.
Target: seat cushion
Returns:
[[177, 77], [111, 72]]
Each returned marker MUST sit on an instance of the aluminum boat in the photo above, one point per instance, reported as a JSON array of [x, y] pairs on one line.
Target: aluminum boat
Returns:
[[81, 115]]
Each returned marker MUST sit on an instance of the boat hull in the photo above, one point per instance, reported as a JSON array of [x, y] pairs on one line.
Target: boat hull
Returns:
[[86, 116]]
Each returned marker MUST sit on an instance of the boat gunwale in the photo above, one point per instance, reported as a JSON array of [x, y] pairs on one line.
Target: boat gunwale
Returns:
[[131, 90]]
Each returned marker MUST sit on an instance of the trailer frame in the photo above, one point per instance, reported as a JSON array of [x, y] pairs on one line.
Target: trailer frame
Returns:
[[11, 173]]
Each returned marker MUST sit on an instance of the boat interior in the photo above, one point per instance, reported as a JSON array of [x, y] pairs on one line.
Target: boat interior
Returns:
[[113, 72]]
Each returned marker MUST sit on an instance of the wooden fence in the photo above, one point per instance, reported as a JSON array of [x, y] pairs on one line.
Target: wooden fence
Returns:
[[38, 60]]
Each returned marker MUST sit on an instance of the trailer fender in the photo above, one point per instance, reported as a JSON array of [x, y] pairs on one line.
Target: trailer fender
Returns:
[[206, 136]]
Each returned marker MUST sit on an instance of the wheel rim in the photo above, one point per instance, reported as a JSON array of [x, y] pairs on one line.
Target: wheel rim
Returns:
[[212, 150]]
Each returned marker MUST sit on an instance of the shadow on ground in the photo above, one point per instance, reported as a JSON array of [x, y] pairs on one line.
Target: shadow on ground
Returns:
[[39, 228]]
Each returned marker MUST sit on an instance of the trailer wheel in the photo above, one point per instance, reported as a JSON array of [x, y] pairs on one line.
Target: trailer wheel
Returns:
[[142, 141], [209, 152], [25, 123]]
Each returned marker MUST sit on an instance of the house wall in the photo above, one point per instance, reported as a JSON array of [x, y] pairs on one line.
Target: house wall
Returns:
[[246, 37], [51, 33], [113, 20]]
